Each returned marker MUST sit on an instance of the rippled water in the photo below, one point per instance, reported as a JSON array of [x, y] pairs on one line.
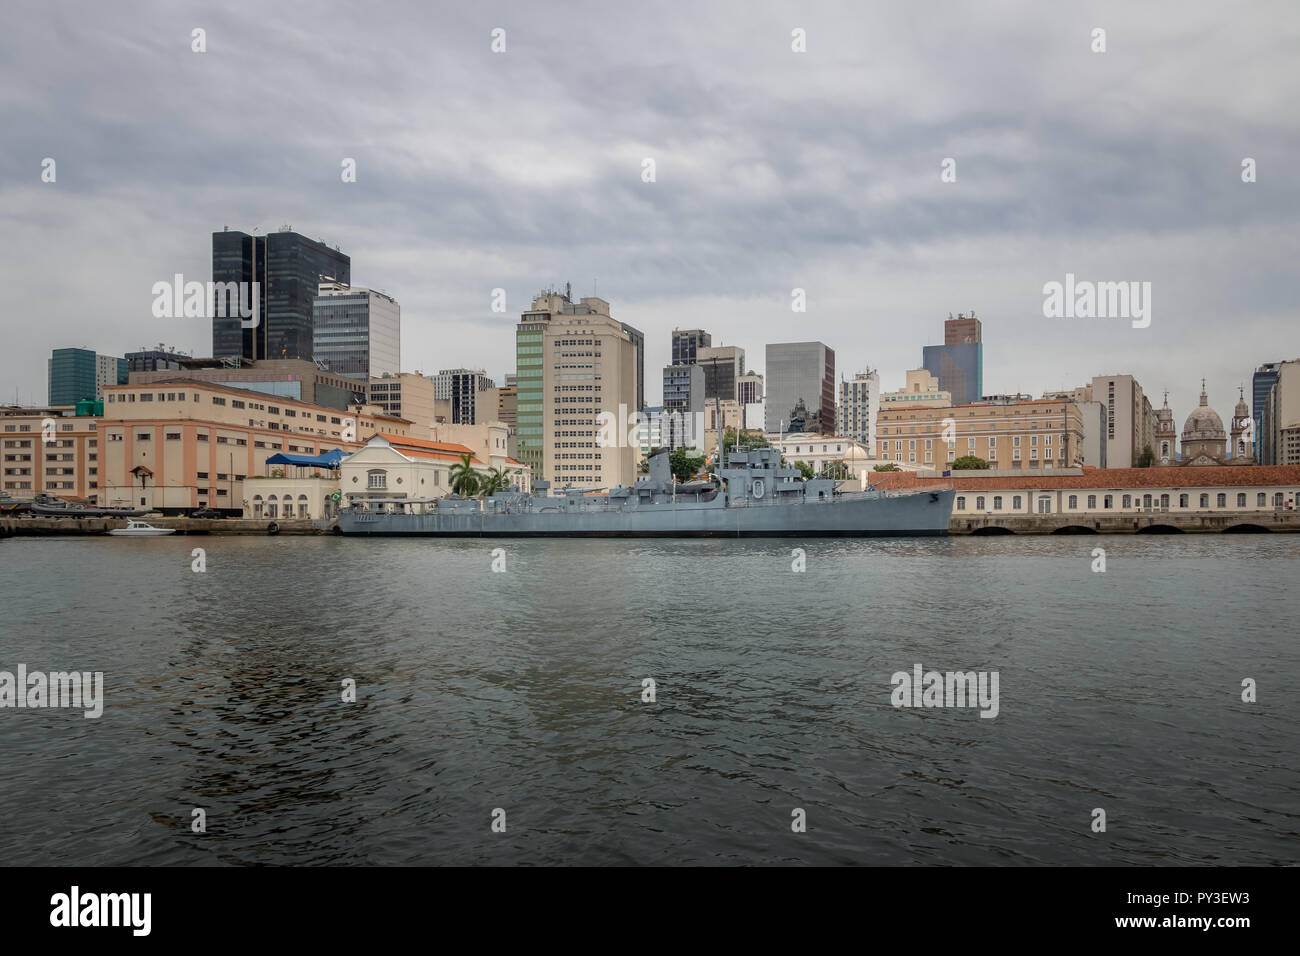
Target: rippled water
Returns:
[[522, 691]]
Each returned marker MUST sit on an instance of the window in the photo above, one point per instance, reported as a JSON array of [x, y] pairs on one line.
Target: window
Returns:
[[1277, 499], [1044, 506], [970, 443], [1261, 500], [1241, 499], [201, 437], [1074, 501], [1205, 501], [1221, 500], [1108, 501], [1015, 441], [1092, 502], [1015, 502], [997, 502], [1164, 502], [1126, 501], [961, 502], [143, 436], [201, 474], [929, 443], [173, 436], [1182, 501], [979, 503], [377, 479], [1033, 440]]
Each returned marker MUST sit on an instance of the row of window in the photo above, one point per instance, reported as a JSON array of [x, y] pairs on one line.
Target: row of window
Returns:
[[1131, 501]]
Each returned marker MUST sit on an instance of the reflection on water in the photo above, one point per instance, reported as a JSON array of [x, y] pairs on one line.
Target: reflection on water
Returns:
[[521, 690]]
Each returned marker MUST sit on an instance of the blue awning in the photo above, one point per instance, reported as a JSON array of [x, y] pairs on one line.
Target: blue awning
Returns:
[[329, 459]]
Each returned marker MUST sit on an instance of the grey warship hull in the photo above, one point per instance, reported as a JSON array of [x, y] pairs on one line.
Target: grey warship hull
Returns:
[[755, 496], [863, 514]]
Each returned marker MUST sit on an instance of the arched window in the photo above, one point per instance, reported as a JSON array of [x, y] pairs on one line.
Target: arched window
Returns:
[[258, 505], [1277, 499], [1205, 501], [1164, 502], [1182, 501], [1015, 502], [1241, 499], [1074, 501], [997, 502], [1221, 500], [961, 502], [1126, 501], [1146, 501], [376, 479], [979, 503]]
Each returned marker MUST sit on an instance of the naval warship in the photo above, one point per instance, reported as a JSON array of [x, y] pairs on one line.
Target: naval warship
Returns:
[[754, 496]]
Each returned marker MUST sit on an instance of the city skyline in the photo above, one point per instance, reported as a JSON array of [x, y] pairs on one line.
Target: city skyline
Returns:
[[1100, 171]]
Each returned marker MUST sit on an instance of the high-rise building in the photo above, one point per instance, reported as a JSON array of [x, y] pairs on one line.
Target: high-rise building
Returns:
[[1261, 384], [958, 364], [723, 366], [686, 342], [289, 269], [1130, 419], [855, 416], [471, 396], [1282, 415], [638, 343], [356, 332], [683, 397], [573, 362], [76, 374], [749, 388], [508, 402], [800, 374]]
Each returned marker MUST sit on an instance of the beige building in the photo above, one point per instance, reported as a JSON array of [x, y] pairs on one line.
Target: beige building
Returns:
[[1046, 433], [1106, 492], [407, 395], [49, 450], [491, 443], [181, 444], [1130, 420], [285, 379], [574, 362], [920, 388]]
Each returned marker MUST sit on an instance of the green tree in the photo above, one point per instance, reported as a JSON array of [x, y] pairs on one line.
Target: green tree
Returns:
[[1146, 459], [495, 481], [685, 466], [889, 467], [464, 479], [748, 440], [837, 470], [969, 463], [805, 469]]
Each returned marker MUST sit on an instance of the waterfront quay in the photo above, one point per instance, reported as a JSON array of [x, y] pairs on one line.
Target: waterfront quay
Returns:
[[34, 526], [1155, 522]]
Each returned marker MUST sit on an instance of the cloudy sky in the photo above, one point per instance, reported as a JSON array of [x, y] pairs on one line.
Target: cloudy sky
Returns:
[[773, 170]]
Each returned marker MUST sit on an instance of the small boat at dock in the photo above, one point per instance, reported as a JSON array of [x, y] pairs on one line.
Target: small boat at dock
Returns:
[[139, 529]]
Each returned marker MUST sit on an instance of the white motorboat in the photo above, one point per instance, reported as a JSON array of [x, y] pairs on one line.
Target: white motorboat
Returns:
[[140, 529]]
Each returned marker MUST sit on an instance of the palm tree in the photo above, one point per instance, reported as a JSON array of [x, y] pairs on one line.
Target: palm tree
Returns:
[[496, 480], [464, 479]]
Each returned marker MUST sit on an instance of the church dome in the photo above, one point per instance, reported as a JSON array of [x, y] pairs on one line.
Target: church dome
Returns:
[[1204, 423]]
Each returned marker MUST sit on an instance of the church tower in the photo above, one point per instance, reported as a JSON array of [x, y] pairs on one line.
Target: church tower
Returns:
[[1166, 434], [1243, 432]]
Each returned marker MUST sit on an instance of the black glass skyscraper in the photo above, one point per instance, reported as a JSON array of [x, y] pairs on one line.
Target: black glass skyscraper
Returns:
[[289, 268]]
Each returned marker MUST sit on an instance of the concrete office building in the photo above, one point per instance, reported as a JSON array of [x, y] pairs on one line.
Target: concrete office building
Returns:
[[855, 416], [723, 367], [686, 343], [683, 399], [356, 332], [573, 362], [919, 388]]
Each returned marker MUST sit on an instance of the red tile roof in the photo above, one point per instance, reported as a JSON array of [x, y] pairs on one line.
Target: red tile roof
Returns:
[[1113, 478]]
